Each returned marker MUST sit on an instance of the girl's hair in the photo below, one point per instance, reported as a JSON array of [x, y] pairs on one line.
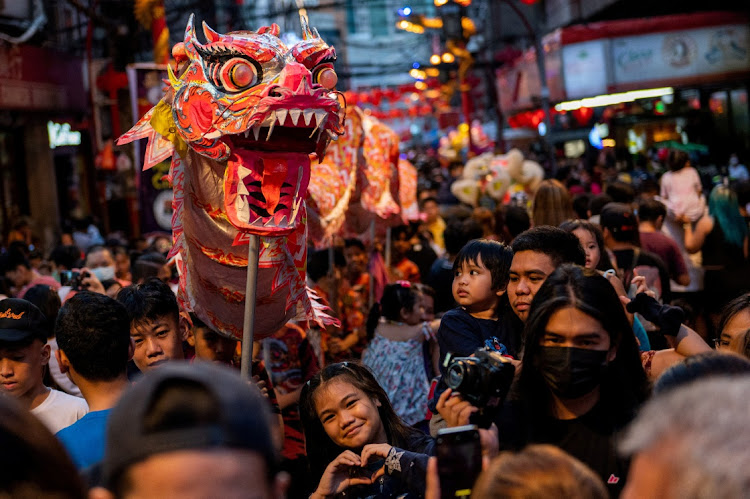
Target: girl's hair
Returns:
[[552, 204], [538, 472], [396, 297], [48, 301], [722, 205], [624, 386], [321, 450], [572, 225], [677, 160], [496, 257], [733, 308]]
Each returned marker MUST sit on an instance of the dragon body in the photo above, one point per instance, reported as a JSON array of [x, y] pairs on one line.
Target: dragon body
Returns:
[[242, 122]]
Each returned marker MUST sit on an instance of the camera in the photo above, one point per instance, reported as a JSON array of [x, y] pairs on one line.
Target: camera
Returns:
[[483, 380]]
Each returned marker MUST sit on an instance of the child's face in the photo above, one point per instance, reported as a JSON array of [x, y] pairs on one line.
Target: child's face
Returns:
[[21, 368], [211, 346], [158, 341], [349, 417], [428, 307], [472, 287], [413, 316], [590, 247]]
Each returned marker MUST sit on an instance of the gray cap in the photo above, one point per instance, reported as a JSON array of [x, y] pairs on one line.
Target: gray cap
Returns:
[[243, 418]]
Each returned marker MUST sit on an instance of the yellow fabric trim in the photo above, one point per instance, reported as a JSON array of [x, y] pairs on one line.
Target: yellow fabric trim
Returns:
[[163, 123]]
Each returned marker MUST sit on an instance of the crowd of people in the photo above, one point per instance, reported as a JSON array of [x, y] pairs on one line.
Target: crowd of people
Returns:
[[600, 299]]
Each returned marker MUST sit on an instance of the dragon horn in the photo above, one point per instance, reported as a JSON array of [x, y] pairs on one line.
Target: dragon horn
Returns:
[[211, 35], [315, 33], [306, 33], [191, 40]]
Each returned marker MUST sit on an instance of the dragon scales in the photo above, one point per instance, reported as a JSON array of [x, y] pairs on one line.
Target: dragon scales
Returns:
[[242, 122]]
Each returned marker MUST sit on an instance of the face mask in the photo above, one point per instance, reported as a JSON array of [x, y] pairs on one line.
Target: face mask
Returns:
[[572, 372], [104, 273]]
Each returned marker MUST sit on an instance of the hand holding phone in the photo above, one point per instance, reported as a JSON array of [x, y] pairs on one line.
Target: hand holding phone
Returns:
[[459, 456]]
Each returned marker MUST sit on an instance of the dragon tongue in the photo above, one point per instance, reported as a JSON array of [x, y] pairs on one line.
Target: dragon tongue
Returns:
[[274, 174]]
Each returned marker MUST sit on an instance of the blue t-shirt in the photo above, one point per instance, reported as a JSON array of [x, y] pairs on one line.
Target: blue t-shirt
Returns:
[[86, 438]]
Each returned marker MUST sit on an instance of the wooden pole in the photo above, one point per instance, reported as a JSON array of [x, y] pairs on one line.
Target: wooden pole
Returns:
[[251, 287]]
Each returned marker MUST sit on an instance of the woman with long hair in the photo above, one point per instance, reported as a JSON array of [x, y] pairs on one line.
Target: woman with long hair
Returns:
[[582, 378], [722, 236], [355, 441], [552, 204]]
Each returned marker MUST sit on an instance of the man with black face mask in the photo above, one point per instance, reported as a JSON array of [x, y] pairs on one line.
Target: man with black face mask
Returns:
[[582, 379]]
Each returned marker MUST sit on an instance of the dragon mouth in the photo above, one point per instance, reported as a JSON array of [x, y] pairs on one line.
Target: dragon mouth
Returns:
[[268, 171], [292, 130]]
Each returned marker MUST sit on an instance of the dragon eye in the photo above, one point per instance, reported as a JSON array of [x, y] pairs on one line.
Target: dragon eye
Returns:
[[236, 74]]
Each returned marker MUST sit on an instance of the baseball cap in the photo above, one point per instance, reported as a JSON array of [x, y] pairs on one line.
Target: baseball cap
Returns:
[[21, 320], [241, 417], [618, 218]]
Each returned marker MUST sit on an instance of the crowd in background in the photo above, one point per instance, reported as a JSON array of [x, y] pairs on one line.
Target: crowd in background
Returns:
[[604, 290]]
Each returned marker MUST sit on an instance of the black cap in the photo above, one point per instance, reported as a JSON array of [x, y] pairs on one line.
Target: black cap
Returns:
[[618, 218], [243, 421], [21, 320]]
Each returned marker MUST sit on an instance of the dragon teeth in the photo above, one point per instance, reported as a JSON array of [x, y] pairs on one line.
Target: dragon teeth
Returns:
[[243, 172], [320, 116], [256, 131], [247, 133], [242, 189], [270, 130], [308, 113], [281, 115], [295, 113]]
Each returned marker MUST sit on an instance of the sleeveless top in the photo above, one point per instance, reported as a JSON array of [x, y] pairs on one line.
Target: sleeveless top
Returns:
[[399, 368]]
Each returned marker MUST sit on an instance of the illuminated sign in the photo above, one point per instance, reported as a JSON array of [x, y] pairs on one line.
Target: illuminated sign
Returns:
[[60, 134]]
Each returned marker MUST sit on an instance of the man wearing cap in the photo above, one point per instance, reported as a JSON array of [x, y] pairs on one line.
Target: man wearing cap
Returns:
[[190, 431], [93, 334], [620, 230], [23, 354]]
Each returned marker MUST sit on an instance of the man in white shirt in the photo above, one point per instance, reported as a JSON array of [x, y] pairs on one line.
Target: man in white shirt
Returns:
[[23, 354]]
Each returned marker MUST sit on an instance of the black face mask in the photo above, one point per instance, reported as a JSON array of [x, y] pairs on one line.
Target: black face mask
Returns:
[[572, 372]]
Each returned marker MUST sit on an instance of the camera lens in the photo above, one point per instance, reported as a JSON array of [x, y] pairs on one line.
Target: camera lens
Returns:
[[458, 375]]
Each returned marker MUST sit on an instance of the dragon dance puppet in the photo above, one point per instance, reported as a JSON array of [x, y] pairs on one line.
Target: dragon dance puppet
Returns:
[[241, 122]]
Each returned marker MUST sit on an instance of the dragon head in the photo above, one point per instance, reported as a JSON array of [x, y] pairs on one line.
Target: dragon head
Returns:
[[246, 98]]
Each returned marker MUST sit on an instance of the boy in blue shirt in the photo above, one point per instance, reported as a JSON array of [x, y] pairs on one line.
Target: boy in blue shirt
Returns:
[[93, 335]]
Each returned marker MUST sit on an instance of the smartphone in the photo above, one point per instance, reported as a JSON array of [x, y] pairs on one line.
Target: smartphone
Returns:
[[70, 278], [459, 456]]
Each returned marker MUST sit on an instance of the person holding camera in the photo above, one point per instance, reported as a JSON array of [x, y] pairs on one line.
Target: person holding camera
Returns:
[[582, 379]]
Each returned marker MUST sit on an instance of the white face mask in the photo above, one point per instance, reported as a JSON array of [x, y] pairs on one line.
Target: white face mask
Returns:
[[104, 273]]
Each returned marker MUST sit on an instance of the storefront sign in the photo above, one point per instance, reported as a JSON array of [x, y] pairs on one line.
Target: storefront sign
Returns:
[[681, 54], [585, 68], [60, 134]]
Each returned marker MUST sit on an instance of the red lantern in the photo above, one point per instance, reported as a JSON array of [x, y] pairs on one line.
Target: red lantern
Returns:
[[583, 115]]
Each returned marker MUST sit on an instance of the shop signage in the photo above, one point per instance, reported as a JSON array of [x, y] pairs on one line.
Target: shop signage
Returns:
[[585, 68], [681, 54], [60, 135]]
